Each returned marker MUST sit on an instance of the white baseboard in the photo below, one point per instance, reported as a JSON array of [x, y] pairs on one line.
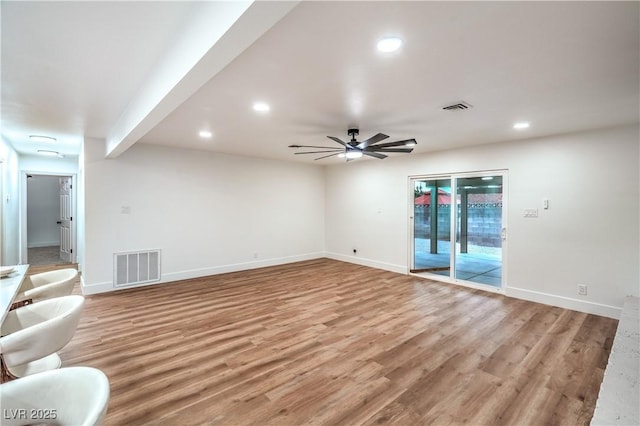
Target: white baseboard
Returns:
[[104, 287], [367, 262], [96, 288], [565, 302], [235, 267], [519, 293], [43, 244]]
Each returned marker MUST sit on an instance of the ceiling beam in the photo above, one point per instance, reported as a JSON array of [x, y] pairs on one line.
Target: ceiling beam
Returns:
[[215, 35]]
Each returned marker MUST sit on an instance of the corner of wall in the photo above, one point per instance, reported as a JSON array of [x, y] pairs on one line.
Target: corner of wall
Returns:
[[400, 269]]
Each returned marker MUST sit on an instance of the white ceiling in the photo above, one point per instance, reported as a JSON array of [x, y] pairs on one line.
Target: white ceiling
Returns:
[[71, 69]]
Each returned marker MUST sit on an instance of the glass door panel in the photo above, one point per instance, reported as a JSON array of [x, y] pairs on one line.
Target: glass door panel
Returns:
[[432, 226], [479, 230]]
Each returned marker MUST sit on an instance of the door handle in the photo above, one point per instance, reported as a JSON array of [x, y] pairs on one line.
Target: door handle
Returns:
[[503, 234], [59, 222]]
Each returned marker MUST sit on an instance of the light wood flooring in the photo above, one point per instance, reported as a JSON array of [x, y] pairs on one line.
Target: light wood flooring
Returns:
[[326, 342]]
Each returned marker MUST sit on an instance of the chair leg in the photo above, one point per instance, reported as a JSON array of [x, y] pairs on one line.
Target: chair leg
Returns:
[[5, 374], [20, 304]]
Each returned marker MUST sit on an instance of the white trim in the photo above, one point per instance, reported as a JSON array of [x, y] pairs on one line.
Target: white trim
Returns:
[[400, 269], [469, 284], [2, 250], [504, 254], [518, 293], [24, 246], [105, 287], [235, 267], [565, 302], [504, 173], [95, 288], [44, 244]]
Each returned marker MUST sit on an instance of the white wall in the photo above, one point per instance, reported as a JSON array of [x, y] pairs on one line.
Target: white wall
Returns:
[[9, 187], [48, 165], [208, 213], [590, 234], [80, 223], [43, 211]]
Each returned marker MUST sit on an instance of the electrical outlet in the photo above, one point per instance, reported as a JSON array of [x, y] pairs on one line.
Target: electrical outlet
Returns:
[[582, 289]]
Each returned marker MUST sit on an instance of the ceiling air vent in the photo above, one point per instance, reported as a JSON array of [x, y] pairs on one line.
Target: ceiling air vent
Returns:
[[460, 106]]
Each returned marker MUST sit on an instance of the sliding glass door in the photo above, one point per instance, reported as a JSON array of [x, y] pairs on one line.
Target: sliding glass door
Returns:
[[432, 226], [458, 228]]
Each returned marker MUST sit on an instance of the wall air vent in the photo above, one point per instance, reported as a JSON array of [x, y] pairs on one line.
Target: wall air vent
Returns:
[[459, 106], [136, 267]]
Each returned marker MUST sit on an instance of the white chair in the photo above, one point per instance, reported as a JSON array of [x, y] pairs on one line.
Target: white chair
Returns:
[[47, 285], [70, 396], [32, 335]]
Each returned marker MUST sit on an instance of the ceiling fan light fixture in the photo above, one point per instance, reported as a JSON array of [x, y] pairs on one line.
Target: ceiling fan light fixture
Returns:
[[353, 154], [353, 149], [389, 44]]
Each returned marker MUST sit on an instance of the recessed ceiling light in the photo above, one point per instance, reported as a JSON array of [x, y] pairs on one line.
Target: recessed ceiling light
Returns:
[[389, 44], [205, 134], [38, 138], [521, 125], [261, 107]]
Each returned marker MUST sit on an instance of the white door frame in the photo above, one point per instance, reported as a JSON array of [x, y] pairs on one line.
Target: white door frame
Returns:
[[1, 211], [24, 249], [457, 175]]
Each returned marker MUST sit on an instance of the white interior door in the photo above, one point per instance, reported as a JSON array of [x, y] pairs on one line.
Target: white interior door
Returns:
[[65, 219]]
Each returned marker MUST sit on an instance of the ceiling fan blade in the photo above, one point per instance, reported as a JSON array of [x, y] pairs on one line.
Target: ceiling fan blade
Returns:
[[337, 151], [311, 146], [333, 138], [397, 143], [374, 154], [372, 140], [326, 156], [406, 150]]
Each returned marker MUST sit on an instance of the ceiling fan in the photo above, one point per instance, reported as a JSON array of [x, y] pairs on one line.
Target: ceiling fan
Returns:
[[354, 149]]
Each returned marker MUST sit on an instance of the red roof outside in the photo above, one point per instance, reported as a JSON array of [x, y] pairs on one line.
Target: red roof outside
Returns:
[[445, 198]]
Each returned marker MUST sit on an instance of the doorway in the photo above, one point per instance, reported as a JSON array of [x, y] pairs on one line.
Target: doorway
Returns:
[[48, 234], [459, 228]]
